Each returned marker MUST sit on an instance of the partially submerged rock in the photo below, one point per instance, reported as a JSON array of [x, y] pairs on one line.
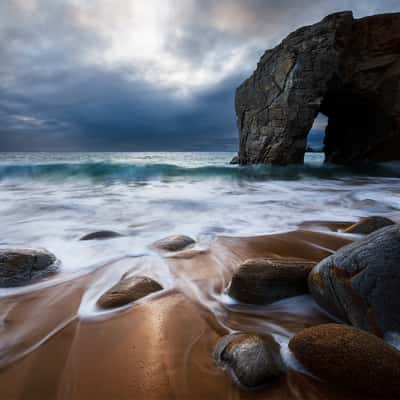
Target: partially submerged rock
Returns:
[[265, 280], [174, 243], [250, 360], [360, 283], [235, 160], [128, 290], [23, 266], [101, 235], [349, 357], [368, 225]]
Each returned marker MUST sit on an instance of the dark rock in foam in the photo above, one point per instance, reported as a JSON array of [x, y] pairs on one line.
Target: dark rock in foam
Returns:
[[349, 358], [174, 243], [250, 360], [265, 280], [346, 68], [101, 235], [23, 266], [360, 283], [234, 161]]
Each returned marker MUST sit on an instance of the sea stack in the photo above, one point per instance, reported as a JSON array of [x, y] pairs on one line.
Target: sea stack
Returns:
[[346, 68]]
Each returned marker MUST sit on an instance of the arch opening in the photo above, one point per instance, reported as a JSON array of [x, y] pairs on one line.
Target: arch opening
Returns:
[[314, 152], [316, 135]]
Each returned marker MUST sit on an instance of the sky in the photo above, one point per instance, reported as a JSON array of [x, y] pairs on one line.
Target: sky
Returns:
[[138, 75]]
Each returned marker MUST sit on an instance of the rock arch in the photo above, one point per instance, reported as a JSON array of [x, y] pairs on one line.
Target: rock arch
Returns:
[[347, 69]]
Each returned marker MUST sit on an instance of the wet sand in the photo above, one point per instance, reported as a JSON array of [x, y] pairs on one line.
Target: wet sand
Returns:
[[161, 347]]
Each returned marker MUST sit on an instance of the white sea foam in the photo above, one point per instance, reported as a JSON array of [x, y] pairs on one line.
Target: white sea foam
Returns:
[[153, 267], [51, 200]]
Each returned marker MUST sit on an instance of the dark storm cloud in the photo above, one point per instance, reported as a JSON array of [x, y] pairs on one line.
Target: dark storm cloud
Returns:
[[57, 93], [96, 109], [223, 26]]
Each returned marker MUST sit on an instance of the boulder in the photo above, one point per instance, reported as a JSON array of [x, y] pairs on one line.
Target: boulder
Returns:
[[100, 235], [250, 360], [368, 225], [265, 280], [360, 283], [128, 290], [174, 243], [23, 266], [349, 358], [347, 69]]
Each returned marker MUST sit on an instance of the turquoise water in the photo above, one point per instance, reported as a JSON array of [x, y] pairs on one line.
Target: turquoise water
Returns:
[[153, 166], [52, 199]]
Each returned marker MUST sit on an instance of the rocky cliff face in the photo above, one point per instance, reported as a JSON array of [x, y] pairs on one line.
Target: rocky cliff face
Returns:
[[347, 69]]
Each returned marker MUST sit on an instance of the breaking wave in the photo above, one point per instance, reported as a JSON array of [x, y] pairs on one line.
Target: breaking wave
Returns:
[[102, 171]]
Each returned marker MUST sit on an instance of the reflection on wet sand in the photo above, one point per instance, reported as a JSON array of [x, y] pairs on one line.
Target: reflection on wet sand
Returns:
[[160, 347]]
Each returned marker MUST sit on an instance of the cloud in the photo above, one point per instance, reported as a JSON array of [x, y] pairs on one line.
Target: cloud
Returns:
[[135, 75], [95, 109]]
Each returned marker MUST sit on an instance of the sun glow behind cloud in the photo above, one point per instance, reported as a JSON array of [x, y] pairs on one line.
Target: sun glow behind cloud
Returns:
[[175, 44], [137, 36]]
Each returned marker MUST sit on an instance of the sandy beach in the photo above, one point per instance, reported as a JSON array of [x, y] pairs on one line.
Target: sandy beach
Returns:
[[199, 200], [160, 347]]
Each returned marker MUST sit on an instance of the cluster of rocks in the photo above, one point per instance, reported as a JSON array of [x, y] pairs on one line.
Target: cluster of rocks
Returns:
[[359, 285], [131, 289], [171, 243], [20, 266]]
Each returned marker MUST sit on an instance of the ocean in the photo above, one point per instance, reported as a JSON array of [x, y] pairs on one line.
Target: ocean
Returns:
[[55, 339], [50, 200]]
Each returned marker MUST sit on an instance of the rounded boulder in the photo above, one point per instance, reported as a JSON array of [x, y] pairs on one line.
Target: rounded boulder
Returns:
[[174, 243], [346, 356], [265, 280], [251, 361], [360, 283]]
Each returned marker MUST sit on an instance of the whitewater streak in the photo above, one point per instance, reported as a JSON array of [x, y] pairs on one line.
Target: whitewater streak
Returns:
[[50, 200]]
